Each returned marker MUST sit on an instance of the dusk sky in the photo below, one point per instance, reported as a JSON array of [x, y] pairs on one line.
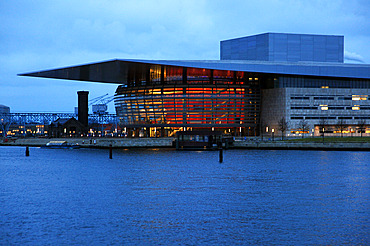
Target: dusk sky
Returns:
[[39, 35]]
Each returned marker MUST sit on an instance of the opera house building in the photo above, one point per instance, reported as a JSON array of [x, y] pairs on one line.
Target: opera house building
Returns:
[[258, 81]]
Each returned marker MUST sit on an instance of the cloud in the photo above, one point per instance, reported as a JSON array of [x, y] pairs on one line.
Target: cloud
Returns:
[[351, 56]]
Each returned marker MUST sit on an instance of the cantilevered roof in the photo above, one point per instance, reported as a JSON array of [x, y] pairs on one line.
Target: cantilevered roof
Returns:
[[116, 71]]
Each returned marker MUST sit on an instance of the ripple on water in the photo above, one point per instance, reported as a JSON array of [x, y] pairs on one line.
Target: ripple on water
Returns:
[[169, 197]]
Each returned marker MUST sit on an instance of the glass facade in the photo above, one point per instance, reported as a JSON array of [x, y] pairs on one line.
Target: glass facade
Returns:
[[190, 97]]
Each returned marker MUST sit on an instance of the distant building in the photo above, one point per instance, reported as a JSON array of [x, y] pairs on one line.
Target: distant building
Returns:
[[259, 80], [64, 127], [4, 109]]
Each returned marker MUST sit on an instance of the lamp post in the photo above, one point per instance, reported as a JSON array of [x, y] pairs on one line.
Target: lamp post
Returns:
[[273, 134], [323, 134], [240, 128]]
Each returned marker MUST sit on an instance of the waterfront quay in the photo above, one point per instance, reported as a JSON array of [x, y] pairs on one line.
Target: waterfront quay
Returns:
[[95, 142], [281, 145], [252, 143]]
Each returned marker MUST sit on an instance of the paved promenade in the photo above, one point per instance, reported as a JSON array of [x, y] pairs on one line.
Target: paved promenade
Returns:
[[168, 143]]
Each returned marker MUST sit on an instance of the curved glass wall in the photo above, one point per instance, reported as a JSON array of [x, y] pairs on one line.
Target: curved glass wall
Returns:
[[202, 98], [226, 105]]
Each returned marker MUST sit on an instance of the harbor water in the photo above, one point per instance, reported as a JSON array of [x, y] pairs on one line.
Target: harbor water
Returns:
[[168, 197]]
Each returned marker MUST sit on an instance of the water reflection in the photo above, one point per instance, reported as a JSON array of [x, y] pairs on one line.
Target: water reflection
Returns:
[[166, 197]]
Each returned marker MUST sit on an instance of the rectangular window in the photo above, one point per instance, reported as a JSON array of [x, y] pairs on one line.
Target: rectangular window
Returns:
[[359, 97], [198, 76], [344, 98], [320, 117], [302, 107], [335, 107], [299, 98], [323, 98], [324, 107]]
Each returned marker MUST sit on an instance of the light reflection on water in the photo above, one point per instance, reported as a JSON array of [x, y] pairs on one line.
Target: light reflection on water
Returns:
[[166, 197]]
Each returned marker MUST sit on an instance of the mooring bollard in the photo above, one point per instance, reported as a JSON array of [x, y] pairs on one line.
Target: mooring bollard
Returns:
[[221, 155], [27, 151], [110, 151]]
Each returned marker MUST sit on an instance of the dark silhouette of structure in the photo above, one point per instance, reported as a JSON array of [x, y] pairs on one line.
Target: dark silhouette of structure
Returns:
[[83, 109], [63, 127]]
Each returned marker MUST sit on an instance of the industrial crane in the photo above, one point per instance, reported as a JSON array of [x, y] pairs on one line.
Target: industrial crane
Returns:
[[100, 104]]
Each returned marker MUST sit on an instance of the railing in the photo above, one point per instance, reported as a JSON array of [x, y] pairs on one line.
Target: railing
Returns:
[[47, 118]]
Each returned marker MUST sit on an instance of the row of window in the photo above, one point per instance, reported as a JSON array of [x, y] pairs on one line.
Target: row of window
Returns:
[[302, 107], [186, 90], [311, 82], [353, 97], [325, 107], [187, 105], [330, 117], [170, 75]]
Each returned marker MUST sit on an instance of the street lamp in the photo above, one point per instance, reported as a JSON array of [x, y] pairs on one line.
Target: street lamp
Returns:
[[323, 134], [273, 134], [240, 128]]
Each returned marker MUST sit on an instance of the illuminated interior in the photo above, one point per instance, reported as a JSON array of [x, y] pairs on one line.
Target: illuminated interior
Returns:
[[324, 107], [359, 97], [190, 97]]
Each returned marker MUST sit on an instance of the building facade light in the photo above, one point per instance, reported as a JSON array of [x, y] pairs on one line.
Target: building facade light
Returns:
[[324, 107]]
